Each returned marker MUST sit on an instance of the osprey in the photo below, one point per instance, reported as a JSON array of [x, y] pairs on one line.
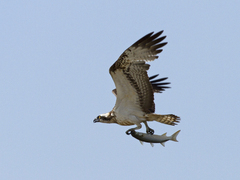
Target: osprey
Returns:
[[134, 89]]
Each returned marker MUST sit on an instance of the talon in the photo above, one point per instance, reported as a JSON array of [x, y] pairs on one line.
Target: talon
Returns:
[[150, 131], [128, 132]]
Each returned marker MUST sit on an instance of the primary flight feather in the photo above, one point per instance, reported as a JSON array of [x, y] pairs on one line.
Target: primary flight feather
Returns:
[[134, 89]]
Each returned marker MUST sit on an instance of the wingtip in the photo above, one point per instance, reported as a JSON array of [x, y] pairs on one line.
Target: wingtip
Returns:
[[152, 77], [160, 32]]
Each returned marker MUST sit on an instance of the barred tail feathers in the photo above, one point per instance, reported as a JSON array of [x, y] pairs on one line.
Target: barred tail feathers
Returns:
[[169, 119]]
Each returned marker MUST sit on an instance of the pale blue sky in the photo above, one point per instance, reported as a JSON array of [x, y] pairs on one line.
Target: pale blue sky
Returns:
[[54, 63]]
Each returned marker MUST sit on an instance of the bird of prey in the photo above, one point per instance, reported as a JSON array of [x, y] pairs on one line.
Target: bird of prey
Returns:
[[134, 89]]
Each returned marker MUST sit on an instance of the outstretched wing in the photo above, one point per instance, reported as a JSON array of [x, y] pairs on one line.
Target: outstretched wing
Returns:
[[156, 85], [129, 73]]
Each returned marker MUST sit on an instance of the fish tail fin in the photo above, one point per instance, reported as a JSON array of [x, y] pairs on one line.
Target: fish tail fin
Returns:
[[174, 136], [169, 119]]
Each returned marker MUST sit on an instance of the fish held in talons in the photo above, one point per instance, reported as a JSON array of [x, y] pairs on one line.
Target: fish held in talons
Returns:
[[143, 137]]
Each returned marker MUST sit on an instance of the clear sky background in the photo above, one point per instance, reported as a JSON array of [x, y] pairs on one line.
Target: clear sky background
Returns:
[[54, 61]]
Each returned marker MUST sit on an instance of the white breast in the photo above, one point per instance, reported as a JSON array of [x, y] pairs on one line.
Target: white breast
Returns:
[[127, 108]]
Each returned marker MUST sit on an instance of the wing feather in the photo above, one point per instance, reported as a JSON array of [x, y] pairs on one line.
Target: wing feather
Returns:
[[129, 73], [157, 87]]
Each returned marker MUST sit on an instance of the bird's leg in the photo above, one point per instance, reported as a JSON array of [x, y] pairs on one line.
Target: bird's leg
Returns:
[[139, 126], [148, 129]]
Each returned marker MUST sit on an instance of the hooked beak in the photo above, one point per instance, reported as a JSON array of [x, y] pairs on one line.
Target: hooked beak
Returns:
[[96, 120]]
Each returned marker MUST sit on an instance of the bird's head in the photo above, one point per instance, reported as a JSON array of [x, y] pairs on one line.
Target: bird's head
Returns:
[[104, 118]]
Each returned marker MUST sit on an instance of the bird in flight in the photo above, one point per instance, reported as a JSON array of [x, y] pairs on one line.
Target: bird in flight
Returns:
[[134, 89]]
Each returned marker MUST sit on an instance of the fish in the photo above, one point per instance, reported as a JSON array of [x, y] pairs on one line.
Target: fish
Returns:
[[143, 137]]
